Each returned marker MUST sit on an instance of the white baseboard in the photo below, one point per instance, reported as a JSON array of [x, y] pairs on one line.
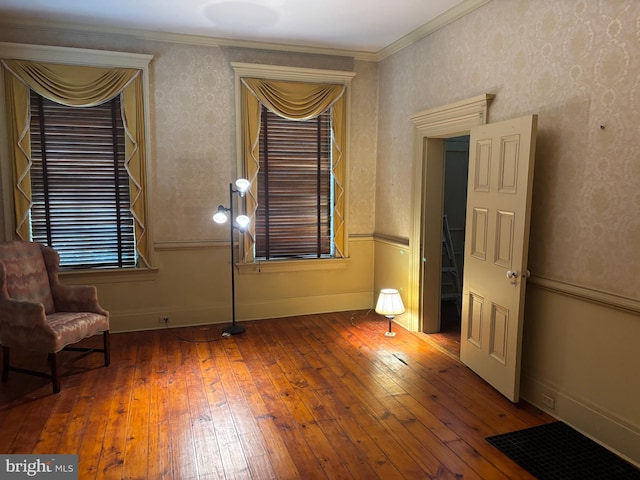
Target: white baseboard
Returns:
[[179, 316], [290, 307], [132, 321], [603, 427]]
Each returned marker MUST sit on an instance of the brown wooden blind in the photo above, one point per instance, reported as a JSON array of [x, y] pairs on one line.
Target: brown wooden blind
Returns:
[[293, 219], [80, 188]]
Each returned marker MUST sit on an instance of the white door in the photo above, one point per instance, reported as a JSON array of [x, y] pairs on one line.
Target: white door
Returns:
[[501, 159]]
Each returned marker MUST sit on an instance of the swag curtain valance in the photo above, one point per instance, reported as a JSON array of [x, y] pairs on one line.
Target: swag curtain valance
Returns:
[[295, 101], [75, 86]]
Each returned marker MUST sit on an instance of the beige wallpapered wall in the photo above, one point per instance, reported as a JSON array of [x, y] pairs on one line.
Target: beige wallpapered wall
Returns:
[[573, 62], [576, 63], [193, 127], [194, 104]]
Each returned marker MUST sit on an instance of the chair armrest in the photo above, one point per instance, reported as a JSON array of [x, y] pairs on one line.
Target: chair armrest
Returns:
[[76, 298], [18, 313], [24, 324]]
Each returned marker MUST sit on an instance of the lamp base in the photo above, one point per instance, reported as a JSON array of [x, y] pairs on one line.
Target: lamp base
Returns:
[[233, 329], [390, 333]]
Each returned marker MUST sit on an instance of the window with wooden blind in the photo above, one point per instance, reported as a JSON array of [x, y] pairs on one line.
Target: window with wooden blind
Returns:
[[80, 188], [293, 218]]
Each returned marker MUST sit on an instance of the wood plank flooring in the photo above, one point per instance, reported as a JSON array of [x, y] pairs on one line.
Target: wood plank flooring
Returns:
[[313, 397]]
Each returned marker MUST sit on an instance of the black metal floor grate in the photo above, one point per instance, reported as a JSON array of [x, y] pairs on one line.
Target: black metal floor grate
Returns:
[[555, 451]]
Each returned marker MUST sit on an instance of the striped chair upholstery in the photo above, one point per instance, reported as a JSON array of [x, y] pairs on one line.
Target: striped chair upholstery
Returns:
[[40, 314]]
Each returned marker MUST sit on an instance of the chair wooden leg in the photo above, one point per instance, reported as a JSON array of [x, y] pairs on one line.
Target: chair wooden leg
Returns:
[[5, 363], [107, 346], [53, 361]]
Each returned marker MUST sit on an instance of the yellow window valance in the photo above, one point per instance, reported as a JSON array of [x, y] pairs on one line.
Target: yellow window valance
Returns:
[[294, 100], [72, 85]]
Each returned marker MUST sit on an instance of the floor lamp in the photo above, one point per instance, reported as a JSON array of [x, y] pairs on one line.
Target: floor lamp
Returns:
[[241, 224]]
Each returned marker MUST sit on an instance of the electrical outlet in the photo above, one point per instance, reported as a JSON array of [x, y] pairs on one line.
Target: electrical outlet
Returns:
[[163, 320], [548, 401]]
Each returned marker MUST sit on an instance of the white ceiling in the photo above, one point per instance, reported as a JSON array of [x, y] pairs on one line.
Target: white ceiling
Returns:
[[354, 25]]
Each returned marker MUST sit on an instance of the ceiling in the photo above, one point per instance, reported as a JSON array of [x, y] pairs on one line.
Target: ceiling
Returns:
[[352, 25]]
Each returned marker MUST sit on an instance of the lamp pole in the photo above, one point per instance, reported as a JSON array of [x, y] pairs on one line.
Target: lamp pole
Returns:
[[242, 186], [232, 329]]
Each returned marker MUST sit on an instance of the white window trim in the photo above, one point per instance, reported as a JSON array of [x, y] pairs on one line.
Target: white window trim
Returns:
[[295, 74], [69, 56]]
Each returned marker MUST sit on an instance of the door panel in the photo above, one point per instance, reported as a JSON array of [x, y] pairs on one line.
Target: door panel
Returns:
[[474, 321], [478, 233], [504, 239], [499, 334], [501, 162]]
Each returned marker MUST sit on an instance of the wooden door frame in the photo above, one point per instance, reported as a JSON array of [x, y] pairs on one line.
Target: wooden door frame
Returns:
[[431, 128]]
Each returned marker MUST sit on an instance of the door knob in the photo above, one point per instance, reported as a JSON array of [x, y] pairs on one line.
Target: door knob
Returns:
[[513, 276]]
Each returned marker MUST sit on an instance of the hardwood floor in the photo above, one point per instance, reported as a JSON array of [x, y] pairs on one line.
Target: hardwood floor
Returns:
[[448, 338], [315, 397]]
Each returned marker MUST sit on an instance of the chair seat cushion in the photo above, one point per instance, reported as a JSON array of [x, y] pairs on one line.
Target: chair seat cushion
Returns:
[[71, 327]]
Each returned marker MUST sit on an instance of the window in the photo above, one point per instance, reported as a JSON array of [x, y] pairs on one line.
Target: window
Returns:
[[77, 160], [296, 160], [79, 184], [294, 215]]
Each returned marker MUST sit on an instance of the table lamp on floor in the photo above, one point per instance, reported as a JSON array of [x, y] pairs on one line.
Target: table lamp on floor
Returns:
[[389, 304]]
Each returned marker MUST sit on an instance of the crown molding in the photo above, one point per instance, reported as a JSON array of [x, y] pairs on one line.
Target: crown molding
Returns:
[[451, 15], [441, 21], [186, 39]]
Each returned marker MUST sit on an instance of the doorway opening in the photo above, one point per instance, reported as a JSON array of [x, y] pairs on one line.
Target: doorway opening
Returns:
[[456, 170], [432, 127]]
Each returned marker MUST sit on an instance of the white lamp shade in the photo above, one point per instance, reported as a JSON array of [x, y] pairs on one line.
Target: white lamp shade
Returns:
[[389, 303], [221, 215], [243, 222], [242, 184]]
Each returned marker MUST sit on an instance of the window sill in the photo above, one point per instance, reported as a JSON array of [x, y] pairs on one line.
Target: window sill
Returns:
[[110, 275], [280, 266]]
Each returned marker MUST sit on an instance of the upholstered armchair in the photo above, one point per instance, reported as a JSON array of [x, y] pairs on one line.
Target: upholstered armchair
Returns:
[[40, 314]]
